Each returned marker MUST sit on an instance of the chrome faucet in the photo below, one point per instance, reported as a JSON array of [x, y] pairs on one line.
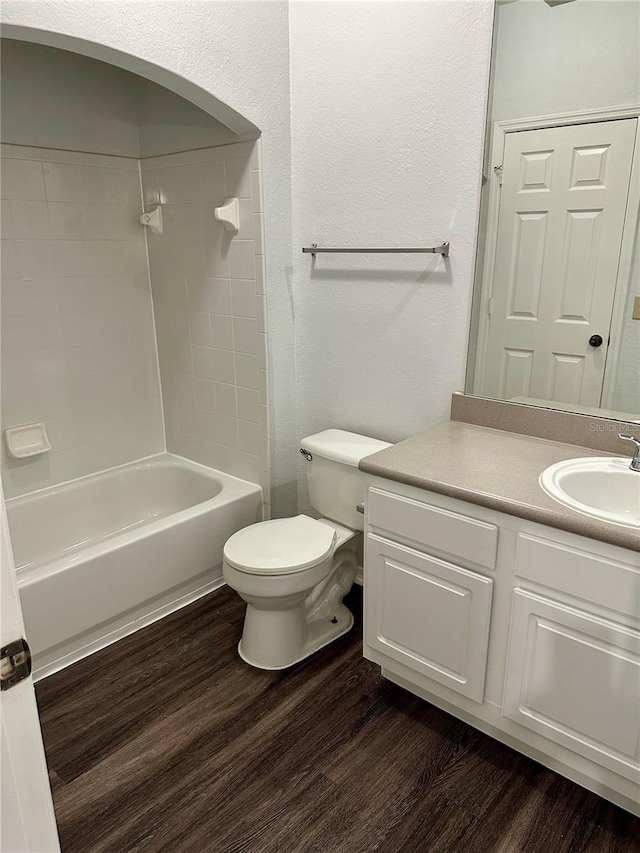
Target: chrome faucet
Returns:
[[635, 462]]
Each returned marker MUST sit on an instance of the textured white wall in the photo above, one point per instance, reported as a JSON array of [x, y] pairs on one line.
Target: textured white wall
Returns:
[[239, 52], [576, 56], [388, 105]]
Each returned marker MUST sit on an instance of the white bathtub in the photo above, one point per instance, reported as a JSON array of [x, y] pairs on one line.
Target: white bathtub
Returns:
[[104, 555]]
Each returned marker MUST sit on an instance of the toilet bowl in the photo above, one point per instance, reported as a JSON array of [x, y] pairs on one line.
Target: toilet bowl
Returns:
[[294, 572]]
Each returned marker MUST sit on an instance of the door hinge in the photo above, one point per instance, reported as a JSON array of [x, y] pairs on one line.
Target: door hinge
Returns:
[[15, 663], [489, 305], [498, 173]]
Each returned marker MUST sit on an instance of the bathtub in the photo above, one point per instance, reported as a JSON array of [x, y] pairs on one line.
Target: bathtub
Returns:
[[101, 556]]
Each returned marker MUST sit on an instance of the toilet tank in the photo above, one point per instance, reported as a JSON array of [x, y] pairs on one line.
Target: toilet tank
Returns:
[[336, 486]]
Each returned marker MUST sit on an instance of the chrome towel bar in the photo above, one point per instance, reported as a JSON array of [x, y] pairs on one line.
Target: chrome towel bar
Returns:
[[442, 249]]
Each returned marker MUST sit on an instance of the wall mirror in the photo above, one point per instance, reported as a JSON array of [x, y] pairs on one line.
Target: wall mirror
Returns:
[[556, 304]]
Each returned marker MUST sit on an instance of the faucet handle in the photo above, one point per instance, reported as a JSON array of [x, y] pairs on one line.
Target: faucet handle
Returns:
[[632, 438], [635, 462]]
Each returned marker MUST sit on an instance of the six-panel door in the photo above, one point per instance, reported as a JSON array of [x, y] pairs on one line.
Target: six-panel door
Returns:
[[562, 211], [428, 614]]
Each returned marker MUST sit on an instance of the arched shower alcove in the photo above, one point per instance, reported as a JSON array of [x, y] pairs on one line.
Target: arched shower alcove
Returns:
[[133, 348], [186, 89]]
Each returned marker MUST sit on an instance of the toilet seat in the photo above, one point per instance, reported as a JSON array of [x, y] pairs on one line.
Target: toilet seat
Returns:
[[280, 547]]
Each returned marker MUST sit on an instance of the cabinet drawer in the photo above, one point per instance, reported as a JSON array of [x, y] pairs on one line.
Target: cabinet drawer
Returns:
[[575, 679], [458, 535], [428, 614], [596, 579]]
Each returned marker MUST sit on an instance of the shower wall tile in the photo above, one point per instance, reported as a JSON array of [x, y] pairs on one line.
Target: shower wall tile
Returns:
[[23, 180], [208, 292], [78, 342]]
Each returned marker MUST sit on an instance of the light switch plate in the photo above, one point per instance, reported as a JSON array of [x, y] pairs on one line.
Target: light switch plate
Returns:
[[636, 308]]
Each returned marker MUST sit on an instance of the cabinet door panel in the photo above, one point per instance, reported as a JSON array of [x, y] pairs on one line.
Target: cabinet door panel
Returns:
[[428, 614], [575, 679]]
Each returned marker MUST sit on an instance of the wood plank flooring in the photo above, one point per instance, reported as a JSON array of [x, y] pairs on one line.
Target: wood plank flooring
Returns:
[[166, 741]]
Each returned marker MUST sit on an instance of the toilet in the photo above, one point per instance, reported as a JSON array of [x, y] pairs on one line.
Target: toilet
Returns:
[[294, 572]]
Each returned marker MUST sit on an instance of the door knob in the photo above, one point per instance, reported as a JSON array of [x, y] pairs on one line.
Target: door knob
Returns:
[[595, 340]]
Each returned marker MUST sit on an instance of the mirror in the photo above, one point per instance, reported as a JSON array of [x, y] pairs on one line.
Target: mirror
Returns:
[[556, 304]]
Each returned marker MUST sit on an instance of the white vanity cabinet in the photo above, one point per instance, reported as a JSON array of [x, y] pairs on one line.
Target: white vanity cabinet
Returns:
[[428, 613], [530, 633]]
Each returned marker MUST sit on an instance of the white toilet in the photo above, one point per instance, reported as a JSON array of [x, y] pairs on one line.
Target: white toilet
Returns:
[[294, 572]]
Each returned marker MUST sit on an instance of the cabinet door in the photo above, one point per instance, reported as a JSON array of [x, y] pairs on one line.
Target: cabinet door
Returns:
[[428, 614], [575, 679]]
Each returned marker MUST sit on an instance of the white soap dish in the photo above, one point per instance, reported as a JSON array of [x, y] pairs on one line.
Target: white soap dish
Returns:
[[229, 214], [27, 440]]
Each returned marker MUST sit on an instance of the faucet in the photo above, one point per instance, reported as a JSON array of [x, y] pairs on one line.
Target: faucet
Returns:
[[635, 462]]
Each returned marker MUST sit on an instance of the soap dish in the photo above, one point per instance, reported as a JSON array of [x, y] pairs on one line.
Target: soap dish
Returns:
[[27, 440]]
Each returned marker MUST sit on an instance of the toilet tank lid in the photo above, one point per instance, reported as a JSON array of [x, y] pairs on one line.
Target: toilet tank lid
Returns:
[[342, 446]]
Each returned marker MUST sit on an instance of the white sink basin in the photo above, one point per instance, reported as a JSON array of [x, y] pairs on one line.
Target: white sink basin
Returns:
[[602, 487]]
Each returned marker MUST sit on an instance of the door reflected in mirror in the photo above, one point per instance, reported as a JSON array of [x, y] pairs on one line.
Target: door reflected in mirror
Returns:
[[555, 319]]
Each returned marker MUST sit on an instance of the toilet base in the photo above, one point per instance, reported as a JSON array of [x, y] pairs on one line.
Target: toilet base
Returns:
[[320, 632]]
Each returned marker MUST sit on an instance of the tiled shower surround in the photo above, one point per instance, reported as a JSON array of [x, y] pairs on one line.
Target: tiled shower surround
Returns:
[[78, 347], [209, 302], [78, 342]]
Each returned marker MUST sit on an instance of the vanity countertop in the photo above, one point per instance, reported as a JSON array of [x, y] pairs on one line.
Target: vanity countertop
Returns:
[[496, 469]]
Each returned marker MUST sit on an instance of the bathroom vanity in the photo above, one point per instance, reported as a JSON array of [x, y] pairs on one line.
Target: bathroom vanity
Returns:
[[497, 609]]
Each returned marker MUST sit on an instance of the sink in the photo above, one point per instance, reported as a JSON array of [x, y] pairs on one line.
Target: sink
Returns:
[[602, 487]]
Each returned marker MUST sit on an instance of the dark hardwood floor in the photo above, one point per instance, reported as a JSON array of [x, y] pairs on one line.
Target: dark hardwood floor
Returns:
[[166, 741]]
